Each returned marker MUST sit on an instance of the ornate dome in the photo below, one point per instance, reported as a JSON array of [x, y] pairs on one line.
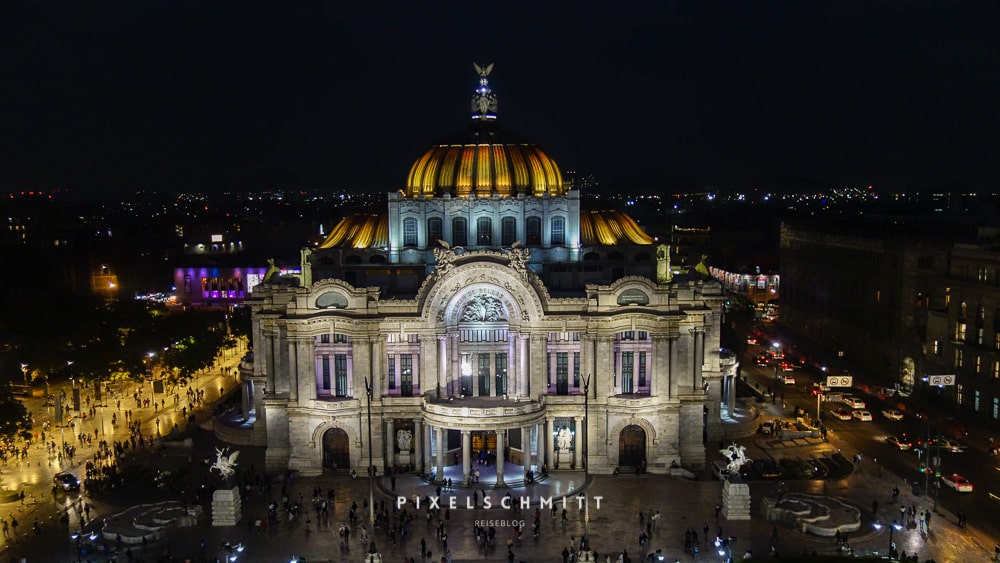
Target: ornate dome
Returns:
[[484, 160], [481, 161]]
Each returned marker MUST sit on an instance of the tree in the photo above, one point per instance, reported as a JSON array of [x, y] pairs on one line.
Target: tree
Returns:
[[13, 415]]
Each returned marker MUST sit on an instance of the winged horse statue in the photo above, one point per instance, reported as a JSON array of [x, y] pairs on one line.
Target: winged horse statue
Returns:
[[225, 462]]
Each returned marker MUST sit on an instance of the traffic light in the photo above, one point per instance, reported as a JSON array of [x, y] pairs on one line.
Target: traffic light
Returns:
[[923, 468]]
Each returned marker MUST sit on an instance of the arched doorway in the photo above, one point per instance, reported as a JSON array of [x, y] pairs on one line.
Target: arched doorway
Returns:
[[336, 449], [632, 446]]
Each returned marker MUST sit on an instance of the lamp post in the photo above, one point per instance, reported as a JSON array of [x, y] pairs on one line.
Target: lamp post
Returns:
[[371, 472], [586, 555], [24, 370]]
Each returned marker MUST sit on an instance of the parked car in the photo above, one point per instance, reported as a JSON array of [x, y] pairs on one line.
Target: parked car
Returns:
[[862, 415], [901, 442], [957, 482], [854, 402], [842, 414], [787, 379], [66, 481], [892, 414]]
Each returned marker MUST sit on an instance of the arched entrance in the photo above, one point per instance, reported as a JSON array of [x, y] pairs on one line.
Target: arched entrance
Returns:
[[632, 446], [336, 449]]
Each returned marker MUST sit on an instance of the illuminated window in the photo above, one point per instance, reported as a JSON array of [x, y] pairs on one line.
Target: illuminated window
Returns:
[[642, 369], [975, 402], [996, 340], [392, 371], [533, 230], [459, 231], [979, 365], [958, 393], [326, 372], [434, 232], [627, 371], [981, 314], [996, 408], [959, 358], [936, 347], [996, 369], [340, 374], [558, 230], [979, 336], [947, 296], [963, 309], [508, 231], [410, 232], [960, 332], [484, 231]]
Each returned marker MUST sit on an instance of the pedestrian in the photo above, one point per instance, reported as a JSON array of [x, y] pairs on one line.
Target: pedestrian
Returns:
[[392, 480], [705, 529]]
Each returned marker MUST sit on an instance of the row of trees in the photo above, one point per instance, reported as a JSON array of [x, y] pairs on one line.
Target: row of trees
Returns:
[[55, 337]]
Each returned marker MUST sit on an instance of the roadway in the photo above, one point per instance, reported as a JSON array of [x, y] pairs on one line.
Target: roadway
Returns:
[[868, 438]]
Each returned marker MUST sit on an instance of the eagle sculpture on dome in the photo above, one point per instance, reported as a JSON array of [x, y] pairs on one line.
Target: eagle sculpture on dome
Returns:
[[484, 72]]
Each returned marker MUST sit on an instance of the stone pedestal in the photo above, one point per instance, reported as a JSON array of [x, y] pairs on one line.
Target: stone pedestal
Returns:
[[565, 459], [735, 501], [226, 507]]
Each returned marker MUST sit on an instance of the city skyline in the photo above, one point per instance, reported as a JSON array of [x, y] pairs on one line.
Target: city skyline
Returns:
[[236, 96]]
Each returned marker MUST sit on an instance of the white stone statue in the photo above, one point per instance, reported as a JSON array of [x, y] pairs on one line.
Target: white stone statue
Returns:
[[404, 438], [225, 463], [563, 439], [737, 457]]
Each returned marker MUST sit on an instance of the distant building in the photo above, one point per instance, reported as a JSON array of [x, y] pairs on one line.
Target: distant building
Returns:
[[478, 306]]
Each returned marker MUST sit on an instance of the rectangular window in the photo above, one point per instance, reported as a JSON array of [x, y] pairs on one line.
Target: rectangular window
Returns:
[[459, 231], [562, 373], [642, 369], [576, 370], [975, 403], [996, 369], [340, 373], [533, 231], [484, 231], [484, 375], [628, 370], [558, 230], [979, 336], [958, 393], [324, 339], [326, 372], [936, 347], [643, 335], [406, 374], [410, 232], [628, 335], [996, 340], [996, 408], [392, 371], [340, 338], [979, 365], [500, 363], [960, 332], [434, 233], [548, 369], [959, 358], [508, 231]]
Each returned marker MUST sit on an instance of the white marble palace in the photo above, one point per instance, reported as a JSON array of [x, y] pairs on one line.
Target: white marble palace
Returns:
[[488, 315]]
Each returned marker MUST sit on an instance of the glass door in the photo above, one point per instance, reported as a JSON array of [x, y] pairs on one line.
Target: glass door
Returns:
[[484, 375]]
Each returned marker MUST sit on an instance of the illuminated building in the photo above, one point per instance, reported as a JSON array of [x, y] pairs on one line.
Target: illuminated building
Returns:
[[477, 305]]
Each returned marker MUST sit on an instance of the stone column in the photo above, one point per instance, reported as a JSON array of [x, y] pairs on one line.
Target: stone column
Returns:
[[390, 443], [466, 455], [731, 399], [500, 457], [536, 382], [522, 369], [526, 446], [673, 365], [699, 357], [418, 445], [659, 379], [305, 367], [577, 443], [550, 452], [605, 362], [427, 448], [455, 382], [439, 435], [442, 366]]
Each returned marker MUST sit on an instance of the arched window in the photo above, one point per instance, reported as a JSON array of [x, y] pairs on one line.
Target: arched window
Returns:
[[459, 232], [533, 231], [558, 230], [434, 231], [508, 231], [484, 231], [633, 297], [591, 256], [410, 232]]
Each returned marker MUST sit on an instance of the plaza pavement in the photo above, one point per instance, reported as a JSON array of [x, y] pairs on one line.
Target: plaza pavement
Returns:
[[613, 527]]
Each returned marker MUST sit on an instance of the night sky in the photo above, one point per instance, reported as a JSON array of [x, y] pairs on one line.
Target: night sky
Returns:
[[237, 94]]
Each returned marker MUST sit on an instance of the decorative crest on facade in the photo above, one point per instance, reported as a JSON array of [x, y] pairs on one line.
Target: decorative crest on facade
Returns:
[[483, 308], [445, 256], [519, 256]]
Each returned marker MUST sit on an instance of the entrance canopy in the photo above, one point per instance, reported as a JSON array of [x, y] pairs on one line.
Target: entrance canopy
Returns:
[[482, 413]]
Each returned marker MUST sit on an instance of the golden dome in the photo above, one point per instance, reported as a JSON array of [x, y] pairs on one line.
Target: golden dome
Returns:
[[359, 231], [608, 228], [481, 161]]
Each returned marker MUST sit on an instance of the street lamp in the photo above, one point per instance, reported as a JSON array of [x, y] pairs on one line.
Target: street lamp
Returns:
[[586, 555], [24, 370], [371, 471], [895, 527]]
